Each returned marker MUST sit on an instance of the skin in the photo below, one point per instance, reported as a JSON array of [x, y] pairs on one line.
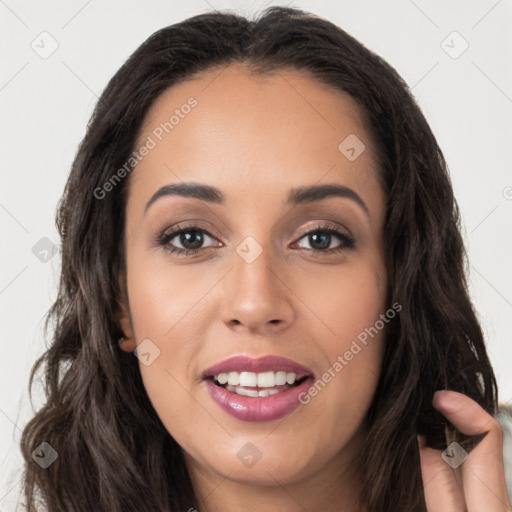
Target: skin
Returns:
[[254, 138], [479, 482]]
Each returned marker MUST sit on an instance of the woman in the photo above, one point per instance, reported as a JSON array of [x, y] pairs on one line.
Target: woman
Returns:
[[261, 216]]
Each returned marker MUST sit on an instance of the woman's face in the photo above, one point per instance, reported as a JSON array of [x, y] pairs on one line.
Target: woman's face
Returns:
[[275, 272]]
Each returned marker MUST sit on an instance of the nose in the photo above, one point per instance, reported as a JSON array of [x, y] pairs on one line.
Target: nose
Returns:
[[257, 296]]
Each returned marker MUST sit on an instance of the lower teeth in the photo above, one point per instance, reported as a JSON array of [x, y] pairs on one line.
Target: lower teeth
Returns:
[[253, 392]]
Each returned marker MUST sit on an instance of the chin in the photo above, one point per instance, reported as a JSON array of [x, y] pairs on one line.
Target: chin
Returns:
[[256, 460]]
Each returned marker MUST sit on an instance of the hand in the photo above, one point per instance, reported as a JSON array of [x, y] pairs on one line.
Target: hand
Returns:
[[482, 486]]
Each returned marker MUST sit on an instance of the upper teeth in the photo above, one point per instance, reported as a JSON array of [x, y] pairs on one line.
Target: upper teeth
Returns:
[[261, 380]]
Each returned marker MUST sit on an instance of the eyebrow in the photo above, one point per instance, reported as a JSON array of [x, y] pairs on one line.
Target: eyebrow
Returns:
[[296, 196]]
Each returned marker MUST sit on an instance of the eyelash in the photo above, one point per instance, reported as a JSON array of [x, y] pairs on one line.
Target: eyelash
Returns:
[[165, 237]]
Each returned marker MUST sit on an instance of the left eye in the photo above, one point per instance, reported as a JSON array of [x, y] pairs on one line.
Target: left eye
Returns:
[[321, 239]]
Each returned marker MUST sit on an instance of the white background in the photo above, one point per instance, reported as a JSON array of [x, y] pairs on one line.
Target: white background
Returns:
[[46, 104]]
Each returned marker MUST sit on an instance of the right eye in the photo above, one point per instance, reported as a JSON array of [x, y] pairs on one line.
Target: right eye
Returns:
[[190, 237]]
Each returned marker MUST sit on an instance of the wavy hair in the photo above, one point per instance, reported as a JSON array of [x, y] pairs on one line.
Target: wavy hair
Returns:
[[114, 454]]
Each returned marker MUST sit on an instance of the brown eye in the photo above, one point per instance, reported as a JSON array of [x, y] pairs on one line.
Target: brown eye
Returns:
[[185, 240], [190, 239]]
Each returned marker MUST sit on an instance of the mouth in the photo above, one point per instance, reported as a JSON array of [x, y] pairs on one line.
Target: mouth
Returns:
[[258, 384], [261, 389]]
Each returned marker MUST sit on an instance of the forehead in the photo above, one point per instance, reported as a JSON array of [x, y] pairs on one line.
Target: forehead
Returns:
[[255, 131]]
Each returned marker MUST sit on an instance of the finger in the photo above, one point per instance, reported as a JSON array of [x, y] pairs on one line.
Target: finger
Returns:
[[483, 472], [442, 493]]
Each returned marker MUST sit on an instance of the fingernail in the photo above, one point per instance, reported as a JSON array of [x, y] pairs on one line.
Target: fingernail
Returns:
[[447, 397]]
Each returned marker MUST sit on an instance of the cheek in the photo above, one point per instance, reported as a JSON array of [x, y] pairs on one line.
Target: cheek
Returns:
[[353, 339], [169, 307], [161, 294], [345, 304]]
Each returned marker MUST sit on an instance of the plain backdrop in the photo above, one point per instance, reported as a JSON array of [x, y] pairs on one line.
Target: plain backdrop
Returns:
[[456, 56]]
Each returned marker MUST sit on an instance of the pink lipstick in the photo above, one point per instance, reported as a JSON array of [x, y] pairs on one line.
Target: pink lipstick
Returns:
[[263, 389]]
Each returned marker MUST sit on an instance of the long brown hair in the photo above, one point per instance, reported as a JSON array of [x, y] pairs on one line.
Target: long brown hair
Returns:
[[114, 454]]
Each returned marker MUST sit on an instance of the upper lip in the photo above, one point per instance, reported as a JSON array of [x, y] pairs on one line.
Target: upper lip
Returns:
[[257, 365]]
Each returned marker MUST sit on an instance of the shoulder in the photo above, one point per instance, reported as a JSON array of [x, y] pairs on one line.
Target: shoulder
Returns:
[[504, 416]]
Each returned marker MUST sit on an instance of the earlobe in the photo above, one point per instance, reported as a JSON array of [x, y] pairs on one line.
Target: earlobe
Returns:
[[126, 344]]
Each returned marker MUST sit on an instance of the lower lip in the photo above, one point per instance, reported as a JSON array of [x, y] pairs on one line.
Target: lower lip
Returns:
[[262, 408]]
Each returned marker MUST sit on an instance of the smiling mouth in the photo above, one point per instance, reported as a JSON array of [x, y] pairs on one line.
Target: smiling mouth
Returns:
[[255, 385], [257, 389]]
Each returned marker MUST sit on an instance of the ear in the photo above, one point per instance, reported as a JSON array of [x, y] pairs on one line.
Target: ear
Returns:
[[127, 343]]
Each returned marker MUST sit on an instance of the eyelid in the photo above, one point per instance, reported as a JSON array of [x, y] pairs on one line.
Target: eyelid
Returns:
[[192, 224], [324, 224]]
